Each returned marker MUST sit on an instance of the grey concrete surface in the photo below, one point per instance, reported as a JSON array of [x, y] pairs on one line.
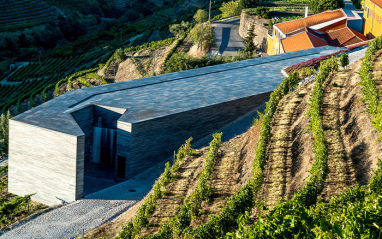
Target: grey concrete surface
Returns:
[[162, 95], [228, 40]]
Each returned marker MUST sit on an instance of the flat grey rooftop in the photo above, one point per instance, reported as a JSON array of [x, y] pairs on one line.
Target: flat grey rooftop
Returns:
[[163, 95]]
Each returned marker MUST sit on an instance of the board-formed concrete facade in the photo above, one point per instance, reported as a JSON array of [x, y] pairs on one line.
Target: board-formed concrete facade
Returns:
[[132, 125], [40, 156]]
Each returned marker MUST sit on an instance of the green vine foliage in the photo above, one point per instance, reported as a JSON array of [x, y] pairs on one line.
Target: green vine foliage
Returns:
[[140, 220], [307, 196], [243, 201], [180, 224], [369, 88], [356, 213]]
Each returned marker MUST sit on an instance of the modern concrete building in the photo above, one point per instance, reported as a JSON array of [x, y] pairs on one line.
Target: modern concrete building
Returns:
[[121, 129]]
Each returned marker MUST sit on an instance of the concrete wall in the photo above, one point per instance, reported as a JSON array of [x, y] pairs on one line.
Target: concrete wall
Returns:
[[124, 147], [47, 163], [85, 120], [261, 29], [154, 140]]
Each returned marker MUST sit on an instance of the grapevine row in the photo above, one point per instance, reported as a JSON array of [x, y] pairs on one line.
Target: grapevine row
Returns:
[[193, 204], [140, 220]]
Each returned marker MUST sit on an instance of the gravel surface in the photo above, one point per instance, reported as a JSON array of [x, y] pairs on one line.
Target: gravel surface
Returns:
[[69, 220]]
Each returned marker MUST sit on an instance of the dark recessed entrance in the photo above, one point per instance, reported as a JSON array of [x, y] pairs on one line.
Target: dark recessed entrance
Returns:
[[121, 166]]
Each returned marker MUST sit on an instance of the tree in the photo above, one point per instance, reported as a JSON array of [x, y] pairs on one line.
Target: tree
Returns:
[[4, 133], [250, 46], [179, 29], [119, 55], [247, 3], [262, 12], [208, 36], [200, 16], [318, 6], [344, 60], [230, 8]]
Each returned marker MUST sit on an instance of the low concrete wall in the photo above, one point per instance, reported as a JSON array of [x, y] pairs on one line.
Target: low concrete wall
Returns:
[[157, 139], [46, 163], [261, 29]]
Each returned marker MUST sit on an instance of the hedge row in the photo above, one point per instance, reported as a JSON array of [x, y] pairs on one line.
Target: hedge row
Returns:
[[95, 76], [69, 79]]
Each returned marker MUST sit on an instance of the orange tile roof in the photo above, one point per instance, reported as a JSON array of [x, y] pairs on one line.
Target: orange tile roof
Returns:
[[377, 2], [344, 37], [302, 41], [287, 27], [334, 26]]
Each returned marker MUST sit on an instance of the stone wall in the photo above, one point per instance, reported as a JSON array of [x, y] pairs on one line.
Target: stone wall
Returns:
[[155, 140], [46, 163], [261, 29]]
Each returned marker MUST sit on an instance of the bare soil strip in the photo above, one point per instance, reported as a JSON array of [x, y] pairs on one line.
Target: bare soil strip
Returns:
[[177, 191], [281, 164], [224, 181], [341, 170]]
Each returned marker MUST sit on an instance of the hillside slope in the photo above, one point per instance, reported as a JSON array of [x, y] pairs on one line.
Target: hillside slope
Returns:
[[353, 151], [19, 14]]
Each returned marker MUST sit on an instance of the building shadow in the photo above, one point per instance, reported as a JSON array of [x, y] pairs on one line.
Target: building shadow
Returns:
[[226, 33]]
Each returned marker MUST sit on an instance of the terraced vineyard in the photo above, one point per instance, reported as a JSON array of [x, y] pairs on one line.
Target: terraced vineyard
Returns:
[[314, 157], [19, 14], [78, 4], [40, 78]]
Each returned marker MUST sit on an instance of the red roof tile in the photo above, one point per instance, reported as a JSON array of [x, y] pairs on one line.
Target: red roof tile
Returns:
[[344, 37], [302, 41], [377, 2], [288, 27]]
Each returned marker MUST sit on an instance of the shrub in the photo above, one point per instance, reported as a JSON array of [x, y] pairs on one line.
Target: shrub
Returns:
[[119, 55], [200, 16], [344, 60], [247, 3], [208, 36], [230, 8], [262, 12], [322, 5], [84, 81], [250, 45]]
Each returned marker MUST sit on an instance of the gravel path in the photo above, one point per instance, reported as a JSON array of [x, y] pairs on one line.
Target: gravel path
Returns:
[[69, 220]]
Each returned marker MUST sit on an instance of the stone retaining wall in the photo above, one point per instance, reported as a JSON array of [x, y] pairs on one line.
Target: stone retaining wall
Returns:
[[261, 29]]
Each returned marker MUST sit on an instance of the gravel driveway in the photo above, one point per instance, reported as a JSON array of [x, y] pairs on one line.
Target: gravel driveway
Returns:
[[69, 220]]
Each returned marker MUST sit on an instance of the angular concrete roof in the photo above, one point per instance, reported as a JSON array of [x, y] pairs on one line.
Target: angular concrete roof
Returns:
[[162, 95]]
